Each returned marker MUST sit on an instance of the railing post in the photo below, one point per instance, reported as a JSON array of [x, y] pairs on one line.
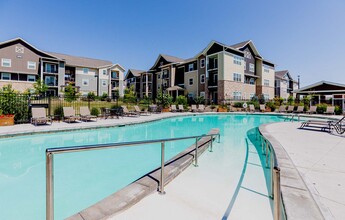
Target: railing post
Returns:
[[196, 153], [277, 193], [272, 175], [161, 182], [211, 144], [267, 154], [49, 186], [218, 137]]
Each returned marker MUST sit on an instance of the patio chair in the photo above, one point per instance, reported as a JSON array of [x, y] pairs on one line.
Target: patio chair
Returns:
[[126, 112], [85, 114], [155, 109], [282, 109], [290, 109], [300, 109], [39, 116], [312, 110], [173, 108], [201, 108], [69, 115], [329, 110], [338, 126], [181, 108], [194, 109], [262, 108], [251, 108], [137, 110]]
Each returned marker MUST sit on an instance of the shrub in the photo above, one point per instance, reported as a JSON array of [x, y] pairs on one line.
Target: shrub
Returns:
[[338, 110], [181, 100], [104, 97], [199, 100], [238, 104], [271, 105], [95, 111], [91, 96], [278, 101], [58, 111], [321, 108], [290, 100], [261, 99], [255, 103], [165, 101]]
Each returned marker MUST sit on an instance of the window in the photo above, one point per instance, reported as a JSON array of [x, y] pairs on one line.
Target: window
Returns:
[[247, 55], [202, 78], [251, 95], [104, 83], [202, 63], [104, 72], [190, 95], [266, 82], [50, 81], [6, 62], [237, 95], [6, 76], [215, 77], [251, 67], [31, 65], [251, 81], [85, 82], [202, 94], [266, 70], [190, 67], [215, 63], [266, 96], [237, 77], [31, 78], [191, 81], [165, 74], [86, 70], [50, 68], [159, 87], [114, 75], [158, 75], [237, 60], [62, 64]]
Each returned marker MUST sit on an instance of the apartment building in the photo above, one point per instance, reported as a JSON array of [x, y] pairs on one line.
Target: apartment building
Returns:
[[219, 72], [284, 84], [141, 81], [22, 65]]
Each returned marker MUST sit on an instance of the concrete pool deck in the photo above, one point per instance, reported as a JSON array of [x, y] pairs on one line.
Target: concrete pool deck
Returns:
[[319, 158]]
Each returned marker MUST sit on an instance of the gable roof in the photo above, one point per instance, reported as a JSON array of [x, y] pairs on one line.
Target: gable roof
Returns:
[[209, 45], [282, 73], [168, 58], [323, 82], [20, 40], [243, 44], [134, 72], [82, 61]]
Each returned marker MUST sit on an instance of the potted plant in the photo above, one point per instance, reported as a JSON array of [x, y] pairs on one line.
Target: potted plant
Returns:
[[6, 119], [223, 108]]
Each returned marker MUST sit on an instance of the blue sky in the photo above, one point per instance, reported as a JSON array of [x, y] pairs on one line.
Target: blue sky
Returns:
[[305, 36]]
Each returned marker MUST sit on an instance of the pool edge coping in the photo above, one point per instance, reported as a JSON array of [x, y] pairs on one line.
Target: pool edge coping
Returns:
[[297, 199]]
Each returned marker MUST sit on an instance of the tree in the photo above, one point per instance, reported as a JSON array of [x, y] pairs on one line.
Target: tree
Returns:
[[40, 87], [70, 93]]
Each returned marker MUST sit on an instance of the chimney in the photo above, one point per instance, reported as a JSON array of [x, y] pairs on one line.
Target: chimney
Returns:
[[298, 81]]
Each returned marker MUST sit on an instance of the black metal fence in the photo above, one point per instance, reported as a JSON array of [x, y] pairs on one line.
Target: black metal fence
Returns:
[[20, 104]]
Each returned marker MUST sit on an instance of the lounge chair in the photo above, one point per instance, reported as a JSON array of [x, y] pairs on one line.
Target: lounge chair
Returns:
[[39, 116], [300, 109], [126, 112], [251, 108], [282, 109], [312, 110], [85, 114], [155, 109], [290, 109], [69, 115], [329, 110], [194, 109], [262, 108], [201, 108], [173, 108], [181, 108], [338, 126], [137, 110]]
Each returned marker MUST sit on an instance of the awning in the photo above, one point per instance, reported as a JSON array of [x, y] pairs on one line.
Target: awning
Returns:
[[175, 88]]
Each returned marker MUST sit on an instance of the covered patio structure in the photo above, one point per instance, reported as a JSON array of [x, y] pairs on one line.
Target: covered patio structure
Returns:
[[324, 92], [175, 89]]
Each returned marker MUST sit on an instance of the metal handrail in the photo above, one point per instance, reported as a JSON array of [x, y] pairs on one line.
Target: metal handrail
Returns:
[[58, 150], [269, 152]]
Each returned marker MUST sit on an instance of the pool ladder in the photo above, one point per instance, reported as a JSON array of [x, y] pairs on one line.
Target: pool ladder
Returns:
[[50, 152], [292, 117]]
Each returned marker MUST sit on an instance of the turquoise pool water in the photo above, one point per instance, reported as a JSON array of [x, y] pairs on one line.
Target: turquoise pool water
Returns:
[[83, 178]]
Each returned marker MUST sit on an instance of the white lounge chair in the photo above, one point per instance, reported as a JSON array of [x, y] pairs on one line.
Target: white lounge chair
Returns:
[[39, 116], [69, 115], [85, 114]]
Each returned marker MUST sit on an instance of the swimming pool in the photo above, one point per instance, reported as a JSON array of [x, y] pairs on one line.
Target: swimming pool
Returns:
[[83, 178]]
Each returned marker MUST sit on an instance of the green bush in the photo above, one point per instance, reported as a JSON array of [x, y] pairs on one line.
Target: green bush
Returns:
[[290, 100], [182, 100], [165, 101], [255, 103], [95, 111], [338, 110], [91, 96], [271, 105], [199, 100], [238, 104], [321, 108], [58, 111]]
